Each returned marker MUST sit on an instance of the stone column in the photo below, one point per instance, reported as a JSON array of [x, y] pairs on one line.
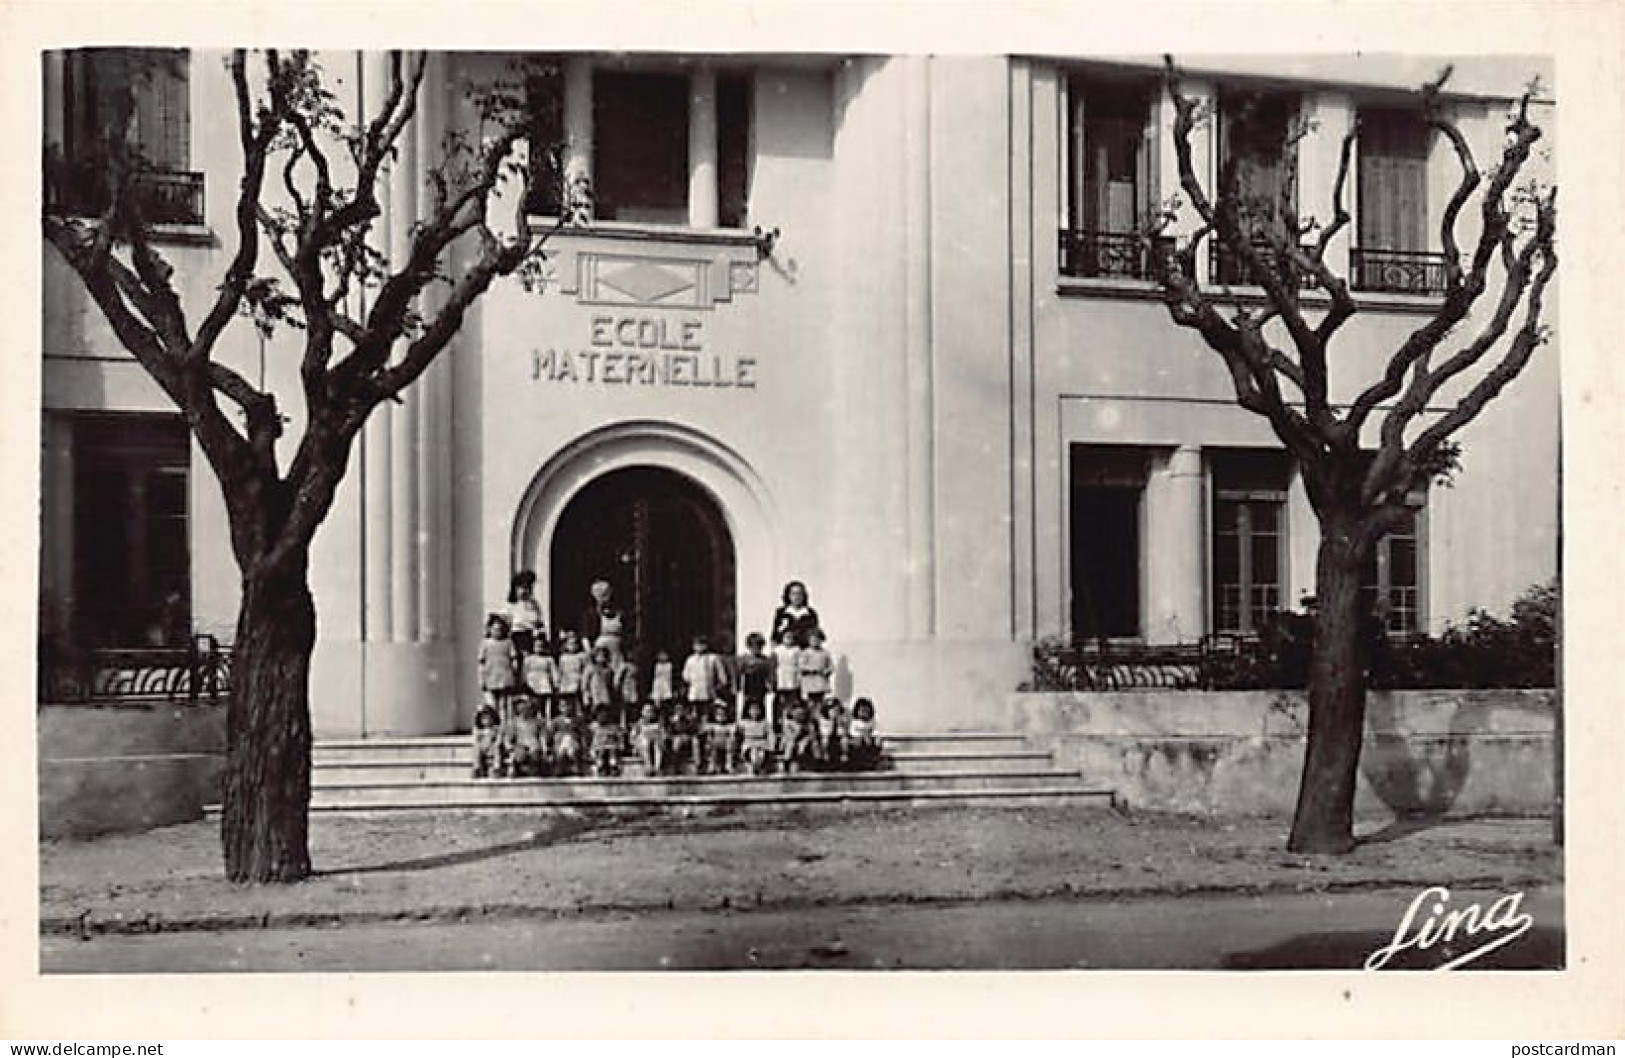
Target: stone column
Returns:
[[408, 660], [702, 149], [920, 411], [400, 213], [1175, 543], [577, 123]]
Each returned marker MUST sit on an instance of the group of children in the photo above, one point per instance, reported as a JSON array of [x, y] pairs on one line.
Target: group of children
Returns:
[[562, 709]]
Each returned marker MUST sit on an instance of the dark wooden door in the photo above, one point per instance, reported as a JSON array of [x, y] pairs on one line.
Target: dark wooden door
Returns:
[[662, 543]]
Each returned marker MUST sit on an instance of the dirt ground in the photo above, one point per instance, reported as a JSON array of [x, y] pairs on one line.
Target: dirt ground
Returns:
[[444, 867]]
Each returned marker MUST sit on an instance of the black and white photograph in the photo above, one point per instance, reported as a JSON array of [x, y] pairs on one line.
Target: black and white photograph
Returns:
[[749, 506]]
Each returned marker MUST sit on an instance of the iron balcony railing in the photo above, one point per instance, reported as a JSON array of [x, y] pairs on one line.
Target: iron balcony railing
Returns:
[[1122, 255], [1231, 269], [1397, 271], [200, 671], [165, 197]]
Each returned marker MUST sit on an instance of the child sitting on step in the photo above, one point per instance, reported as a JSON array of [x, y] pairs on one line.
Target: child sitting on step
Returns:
[[797, 739], [487, 743], [650, 740], [683, 738], [755, 738], [717, 741], [566, 738], [862, 743], [831, 723], [526, 754], [605, 737]]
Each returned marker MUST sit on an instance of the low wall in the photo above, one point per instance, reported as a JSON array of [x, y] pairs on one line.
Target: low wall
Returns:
[[127, 766], [1240, 753]]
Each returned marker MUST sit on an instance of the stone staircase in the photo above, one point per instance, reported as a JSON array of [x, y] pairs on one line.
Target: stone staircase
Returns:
[[433, 773]]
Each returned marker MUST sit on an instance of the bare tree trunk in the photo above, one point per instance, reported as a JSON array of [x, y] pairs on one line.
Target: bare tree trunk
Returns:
[[264, 829], [1324, 820]]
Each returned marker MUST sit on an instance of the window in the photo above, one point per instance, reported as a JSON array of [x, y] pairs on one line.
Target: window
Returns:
[[1257, 139], [1392, 583], [1249, 518], [1112, 167], [641, 157], [95, 83], [132, 559], [1392, 205], [640, 146], [1107, 487]]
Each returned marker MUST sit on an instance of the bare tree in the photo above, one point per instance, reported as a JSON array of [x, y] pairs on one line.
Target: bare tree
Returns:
[[1358, 494], [320, 240]]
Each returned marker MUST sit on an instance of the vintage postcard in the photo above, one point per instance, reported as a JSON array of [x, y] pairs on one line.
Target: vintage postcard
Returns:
[[818, 493]]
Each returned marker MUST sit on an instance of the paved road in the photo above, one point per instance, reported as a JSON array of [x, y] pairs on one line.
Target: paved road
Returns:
[[1193, 932]]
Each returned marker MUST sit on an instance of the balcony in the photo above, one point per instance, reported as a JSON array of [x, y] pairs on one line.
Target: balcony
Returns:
[[1229, 269], [1397, 271], [1118, 255], [165, 197]]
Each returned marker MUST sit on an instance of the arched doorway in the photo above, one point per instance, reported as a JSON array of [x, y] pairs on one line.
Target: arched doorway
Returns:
[[661, 540]]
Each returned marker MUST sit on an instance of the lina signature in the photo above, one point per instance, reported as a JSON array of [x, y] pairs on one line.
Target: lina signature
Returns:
[[1430, 920]]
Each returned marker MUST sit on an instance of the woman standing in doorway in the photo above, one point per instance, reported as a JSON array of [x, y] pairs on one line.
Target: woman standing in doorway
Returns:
[[794, 614], [604, 624]]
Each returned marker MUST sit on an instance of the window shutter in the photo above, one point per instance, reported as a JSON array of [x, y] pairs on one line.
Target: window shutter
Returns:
[[171, 142], [1393, 181]]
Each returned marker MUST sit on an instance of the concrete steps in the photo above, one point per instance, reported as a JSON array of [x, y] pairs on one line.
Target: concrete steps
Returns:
[[433, 774]]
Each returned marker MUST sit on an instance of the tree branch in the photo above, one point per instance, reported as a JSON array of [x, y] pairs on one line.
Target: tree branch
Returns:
[[1464, 290], [255, 144]]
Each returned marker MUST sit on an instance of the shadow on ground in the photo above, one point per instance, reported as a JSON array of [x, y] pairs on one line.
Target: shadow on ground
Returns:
[[557, 832]]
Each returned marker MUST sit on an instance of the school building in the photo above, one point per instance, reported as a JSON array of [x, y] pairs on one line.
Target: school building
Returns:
[[877, 323]]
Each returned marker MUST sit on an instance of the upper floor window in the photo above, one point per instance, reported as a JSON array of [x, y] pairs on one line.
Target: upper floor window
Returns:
[[95, 84], [1258, 144], [1392, 205], [652, 143], [1112, 167]]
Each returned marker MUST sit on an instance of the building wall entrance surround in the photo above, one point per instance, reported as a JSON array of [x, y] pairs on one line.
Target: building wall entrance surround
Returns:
[[743, 498]]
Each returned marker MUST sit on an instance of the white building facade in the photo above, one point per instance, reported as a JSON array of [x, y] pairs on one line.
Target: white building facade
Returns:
[[879, 324]]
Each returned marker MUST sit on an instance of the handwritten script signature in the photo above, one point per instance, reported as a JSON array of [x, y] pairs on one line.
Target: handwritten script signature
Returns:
[[1430, 920]]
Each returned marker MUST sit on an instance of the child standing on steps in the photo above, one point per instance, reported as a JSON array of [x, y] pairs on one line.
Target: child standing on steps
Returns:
[[704, 676], [540, 674], [499, 668], [755, 673], [528, 629], [663, 684], [572, 665], [815, 666], [786, 674]]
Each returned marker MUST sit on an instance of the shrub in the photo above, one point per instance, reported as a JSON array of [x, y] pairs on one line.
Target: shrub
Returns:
[[1484, 651]]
